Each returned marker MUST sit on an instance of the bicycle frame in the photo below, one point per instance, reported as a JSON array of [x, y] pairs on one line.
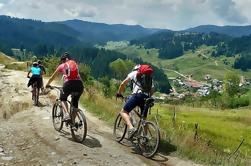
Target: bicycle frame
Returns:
[[75, 126]]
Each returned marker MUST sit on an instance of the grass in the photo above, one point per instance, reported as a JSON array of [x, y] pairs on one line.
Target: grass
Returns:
[[219, 133], [11, 63], [4, 59], [189, 63]]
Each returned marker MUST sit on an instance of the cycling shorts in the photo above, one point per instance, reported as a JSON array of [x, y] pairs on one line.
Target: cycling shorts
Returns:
[[137, 99], [69, 87]]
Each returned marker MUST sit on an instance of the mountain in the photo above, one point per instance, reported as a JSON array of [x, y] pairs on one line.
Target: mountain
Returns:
[[234, 31], [28, 33], [173, 44], [100, 32]]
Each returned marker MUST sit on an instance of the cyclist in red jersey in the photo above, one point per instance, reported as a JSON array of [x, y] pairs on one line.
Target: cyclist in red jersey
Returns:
[[72, 82]]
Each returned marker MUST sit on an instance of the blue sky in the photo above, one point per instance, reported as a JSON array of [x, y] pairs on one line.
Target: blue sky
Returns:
[[170, 14]]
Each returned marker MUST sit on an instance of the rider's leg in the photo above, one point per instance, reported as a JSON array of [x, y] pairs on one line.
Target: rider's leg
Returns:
[[130, 104], [125, 115], [77, 87], [65, 106]]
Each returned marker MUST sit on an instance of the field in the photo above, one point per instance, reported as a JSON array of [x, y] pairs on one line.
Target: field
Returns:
[[198, 63], [220, 132]]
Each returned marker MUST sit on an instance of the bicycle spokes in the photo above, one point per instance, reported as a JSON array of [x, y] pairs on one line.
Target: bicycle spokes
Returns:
[[148, 139]]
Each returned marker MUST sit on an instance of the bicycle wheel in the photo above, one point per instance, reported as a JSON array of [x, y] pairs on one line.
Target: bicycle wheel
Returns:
[[79, 125], [57, 116], [148, 139], [36, 96], [119, 129]]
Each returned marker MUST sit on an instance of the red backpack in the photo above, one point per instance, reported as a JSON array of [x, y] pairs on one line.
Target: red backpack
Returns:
[[72, 69], [144, 76]]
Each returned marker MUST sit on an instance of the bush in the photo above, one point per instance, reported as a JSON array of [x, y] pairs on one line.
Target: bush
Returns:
[[234, 102]]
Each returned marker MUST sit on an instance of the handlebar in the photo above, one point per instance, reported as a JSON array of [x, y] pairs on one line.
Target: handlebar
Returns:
[[54, 87]]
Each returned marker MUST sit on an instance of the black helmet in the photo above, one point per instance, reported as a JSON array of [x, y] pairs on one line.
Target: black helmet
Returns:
[[39, 62], [64, 56]]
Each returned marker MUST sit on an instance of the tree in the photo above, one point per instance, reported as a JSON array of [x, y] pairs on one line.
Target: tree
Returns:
[[121, 67], [231, 84], [85, 73]]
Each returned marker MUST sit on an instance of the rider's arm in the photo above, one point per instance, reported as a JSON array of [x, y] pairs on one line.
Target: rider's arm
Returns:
[[52, 77], [28, 73], [123, 85]]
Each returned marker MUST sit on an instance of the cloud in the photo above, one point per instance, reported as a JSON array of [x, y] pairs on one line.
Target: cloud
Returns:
[[172, 14], [226, 9], [81, 12], [1, 5]]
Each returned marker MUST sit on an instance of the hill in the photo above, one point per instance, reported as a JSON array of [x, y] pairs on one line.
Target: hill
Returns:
[[197, 63], [100, 32], [28, 33], [234, 31]]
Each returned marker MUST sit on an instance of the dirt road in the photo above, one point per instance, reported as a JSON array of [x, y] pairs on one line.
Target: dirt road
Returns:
[[27, 136]]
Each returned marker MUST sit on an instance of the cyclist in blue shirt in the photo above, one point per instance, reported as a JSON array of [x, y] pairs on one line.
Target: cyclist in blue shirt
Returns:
[[36, 75]]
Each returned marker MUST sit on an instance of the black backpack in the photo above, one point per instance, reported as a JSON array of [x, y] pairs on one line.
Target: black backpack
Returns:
[[145, 81]]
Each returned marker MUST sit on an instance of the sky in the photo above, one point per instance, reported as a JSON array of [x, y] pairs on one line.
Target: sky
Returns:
[[168, 14]]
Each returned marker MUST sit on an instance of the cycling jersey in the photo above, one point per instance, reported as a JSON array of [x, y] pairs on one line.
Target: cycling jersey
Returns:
[[35, 70], [62, 69]]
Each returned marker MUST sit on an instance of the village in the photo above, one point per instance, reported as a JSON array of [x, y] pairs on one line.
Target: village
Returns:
[[185, 85]]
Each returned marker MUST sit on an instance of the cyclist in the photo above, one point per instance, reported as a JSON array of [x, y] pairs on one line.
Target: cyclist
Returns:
[[72, 82], [40, 65], [137, 98], [36, 75]]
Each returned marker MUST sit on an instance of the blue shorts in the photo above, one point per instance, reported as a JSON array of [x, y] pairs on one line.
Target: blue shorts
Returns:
[[137, 99]]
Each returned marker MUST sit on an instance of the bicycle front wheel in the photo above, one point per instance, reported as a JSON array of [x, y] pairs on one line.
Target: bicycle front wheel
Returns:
[[148, 140], [119, 129], [79, 125], [57, 116]]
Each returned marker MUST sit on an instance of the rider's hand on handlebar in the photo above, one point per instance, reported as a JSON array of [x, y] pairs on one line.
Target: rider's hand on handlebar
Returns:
[[28, 77], [47, 86]]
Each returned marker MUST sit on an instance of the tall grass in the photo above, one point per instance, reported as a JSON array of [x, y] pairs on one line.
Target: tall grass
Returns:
[[219, 132]]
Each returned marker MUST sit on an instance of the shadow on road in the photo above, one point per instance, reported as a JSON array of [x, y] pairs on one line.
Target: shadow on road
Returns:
[[89, 141], [166, 148], [92, 142]]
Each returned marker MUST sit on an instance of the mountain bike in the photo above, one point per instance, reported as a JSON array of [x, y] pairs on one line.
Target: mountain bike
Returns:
[[147, 135], [77, 122], [35, 92]]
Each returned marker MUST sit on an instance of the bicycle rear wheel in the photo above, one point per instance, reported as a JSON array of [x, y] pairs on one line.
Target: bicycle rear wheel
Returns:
[[119, 129], [36, 96], [79, 125], [148, 140], [57, 116]]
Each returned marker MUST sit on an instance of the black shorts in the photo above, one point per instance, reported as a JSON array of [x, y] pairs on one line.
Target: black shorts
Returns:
[[69, 87], [35, 78]]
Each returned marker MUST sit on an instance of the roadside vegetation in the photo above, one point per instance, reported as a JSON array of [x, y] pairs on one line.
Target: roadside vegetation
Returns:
[[219, 131]]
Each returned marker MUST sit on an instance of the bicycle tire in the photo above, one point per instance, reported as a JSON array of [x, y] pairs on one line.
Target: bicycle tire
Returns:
[[119, 129], [80, 125], [36, 96], [144, 139], [57, 114]]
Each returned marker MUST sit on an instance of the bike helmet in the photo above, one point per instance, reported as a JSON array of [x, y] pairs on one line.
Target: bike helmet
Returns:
[[136, 67], [39, 62], [34, 64], [65, 56]]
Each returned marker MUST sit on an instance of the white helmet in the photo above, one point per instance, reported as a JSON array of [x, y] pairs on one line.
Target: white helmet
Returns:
[[136, 67]]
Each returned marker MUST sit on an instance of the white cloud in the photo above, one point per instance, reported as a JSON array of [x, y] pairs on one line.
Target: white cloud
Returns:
[[174, 14], [1, 5], [130, 22]]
